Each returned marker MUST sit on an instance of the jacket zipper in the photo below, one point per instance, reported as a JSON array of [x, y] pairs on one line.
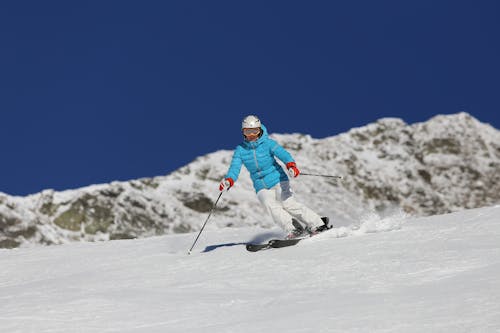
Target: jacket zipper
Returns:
[[257, 165]]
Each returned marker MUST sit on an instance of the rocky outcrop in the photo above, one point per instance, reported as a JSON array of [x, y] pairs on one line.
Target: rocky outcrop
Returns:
[[445, 164]]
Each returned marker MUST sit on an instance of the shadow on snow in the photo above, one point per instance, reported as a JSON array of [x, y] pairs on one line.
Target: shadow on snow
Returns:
[[257, 239]]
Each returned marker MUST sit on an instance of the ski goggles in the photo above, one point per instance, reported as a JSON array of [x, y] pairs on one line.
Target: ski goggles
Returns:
[[251, 131]]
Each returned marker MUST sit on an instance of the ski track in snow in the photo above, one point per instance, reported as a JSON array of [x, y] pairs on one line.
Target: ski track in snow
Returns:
[[391, 274]]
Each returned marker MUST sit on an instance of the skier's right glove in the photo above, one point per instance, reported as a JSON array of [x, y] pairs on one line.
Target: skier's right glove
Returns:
[[226, 184]]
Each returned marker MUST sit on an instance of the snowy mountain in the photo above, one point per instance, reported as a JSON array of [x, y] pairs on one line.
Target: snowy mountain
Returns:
[[427, 274], [443, 165]]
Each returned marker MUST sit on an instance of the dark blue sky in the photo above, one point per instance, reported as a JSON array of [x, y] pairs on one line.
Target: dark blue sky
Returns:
[[96, 91]]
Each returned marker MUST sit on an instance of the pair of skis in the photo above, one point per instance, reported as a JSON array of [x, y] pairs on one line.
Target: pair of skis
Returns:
[[278, 243], [271, 244]]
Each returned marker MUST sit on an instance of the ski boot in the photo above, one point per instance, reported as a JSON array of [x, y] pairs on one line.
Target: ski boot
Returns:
[[299, 230], [325, 226]]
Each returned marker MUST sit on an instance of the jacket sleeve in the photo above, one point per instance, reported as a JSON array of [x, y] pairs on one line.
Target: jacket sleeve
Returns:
[[235, 168], [280, 152]]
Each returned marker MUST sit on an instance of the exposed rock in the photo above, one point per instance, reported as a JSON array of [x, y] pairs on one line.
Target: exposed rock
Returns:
[[445, 164]]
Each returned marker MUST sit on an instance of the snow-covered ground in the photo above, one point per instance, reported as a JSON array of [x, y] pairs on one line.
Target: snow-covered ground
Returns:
[[434, 274]]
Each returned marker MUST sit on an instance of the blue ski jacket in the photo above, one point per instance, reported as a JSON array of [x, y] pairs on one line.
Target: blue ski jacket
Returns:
[[258, 158]]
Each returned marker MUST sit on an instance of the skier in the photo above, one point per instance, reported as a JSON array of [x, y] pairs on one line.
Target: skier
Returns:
[[257, 153]]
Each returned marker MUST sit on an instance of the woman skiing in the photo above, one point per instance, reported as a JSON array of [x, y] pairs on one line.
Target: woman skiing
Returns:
[[257, 153]]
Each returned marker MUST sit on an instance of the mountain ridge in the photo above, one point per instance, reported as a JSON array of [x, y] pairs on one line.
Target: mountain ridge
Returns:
[[448, 163]]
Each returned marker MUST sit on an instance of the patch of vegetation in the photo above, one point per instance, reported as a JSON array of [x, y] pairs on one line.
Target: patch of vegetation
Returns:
[[150, 182], [94, 215], [49, 208], [100, 220], [121, 235], [8, 244], [8, 222], [295, 146], [26, 233], [112, 191], [182, 228], [443, 146], [196, 201], [379, 193], [426, 176], [71, 219]]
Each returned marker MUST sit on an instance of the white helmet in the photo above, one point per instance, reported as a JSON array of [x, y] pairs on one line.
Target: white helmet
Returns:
[[250, 122]]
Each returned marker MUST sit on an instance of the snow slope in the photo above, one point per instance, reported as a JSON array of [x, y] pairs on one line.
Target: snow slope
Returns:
[[393, 274]]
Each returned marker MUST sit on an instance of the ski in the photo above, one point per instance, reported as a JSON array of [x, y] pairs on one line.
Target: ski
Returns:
[[273, 244], [279, 243]]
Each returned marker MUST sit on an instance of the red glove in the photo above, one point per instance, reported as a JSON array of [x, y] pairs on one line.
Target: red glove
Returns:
[[226, 184], [292, 169]]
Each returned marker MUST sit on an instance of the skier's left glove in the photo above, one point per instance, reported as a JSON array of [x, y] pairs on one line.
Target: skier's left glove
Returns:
[[226, 184], [292, 169]]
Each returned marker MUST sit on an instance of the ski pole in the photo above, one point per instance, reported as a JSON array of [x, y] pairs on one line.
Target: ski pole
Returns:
[[311, 174], [204, 224]]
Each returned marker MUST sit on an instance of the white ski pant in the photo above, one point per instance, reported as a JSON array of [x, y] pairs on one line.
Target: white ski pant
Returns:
[[281, 204]]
